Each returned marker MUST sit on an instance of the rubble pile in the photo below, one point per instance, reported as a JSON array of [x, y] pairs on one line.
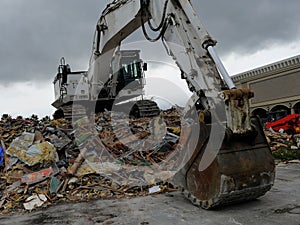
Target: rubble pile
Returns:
[[284, 146], [108, 155], [43, 162]]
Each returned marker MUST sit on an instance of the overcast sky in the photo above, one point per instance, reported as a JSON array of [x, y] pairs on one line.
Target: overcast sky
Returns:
[[36, 33]]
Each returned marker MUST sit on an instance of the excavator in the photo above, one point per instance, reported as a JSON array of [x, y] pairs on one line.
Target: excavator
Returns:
[[231, 161], [125, 81]]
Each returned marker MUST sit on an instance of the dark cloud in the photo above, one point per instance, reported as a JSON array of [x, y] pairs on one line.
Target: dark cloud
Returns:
[[36, 33], [245, 26]]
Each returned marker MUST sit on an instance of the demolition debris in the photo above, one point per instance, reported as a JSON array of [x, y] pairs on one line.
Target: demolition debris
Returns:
[[43, 162], [284, 146]]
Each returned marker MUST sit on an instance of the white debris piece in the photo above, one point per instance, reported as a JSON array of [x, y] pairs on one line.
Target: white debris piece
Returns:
[[34, 201], [154, 189]]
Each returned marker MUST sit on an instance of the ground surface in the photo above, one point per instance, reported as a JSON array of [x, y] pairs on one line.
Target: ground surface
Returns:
[[279, 206]]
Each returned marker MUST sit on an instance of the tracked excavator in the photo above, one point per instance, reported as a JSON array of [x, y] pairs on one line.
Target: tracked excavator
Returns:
[[124, 81], [239, 168]]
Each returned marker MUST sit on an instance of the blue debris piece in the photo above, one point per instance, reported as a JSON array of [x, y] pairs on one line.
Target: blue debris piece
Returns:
[[54, 184], [1, 156]]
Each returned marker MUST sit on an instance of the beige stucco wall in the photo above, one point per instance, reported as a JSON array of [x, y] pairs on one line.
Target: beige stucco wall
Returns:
[[273, 85]]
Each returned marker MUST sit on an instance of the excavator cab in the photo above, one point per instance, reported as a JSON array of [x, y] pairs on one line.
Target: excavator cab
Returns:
[[128, 69]]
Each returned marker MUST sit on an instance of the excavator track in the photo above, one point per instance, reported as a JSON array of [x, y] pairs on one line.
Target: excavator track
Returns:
[[141, 108], [145, 108], [69, 111]]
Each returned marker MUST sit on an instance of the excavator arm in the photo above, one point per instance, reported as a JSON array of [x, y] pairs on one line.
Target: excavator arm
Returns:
[[186, 40], [239, 165]]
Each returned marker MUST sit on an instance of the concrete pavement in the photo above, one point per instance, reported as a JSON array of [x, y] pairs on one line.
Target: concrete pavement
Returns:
[[279, 206]]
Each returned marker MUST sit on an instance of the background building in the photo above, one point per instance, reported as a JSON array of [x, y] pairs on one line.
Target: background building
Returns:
[[276, 87]]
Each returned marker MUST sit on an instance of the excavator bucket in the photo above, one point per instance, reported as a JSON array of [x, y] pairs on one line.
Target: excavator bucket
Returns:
[[242, 170]]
